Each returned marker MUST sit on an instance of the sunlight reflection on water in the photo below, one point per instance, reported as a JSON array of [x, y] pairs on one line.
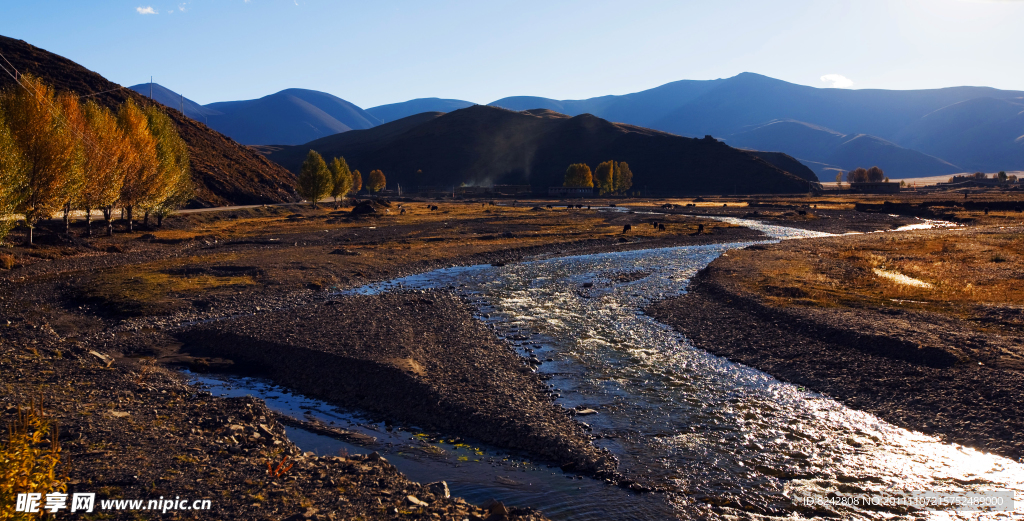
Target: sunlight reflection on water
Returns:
[[730, 439]]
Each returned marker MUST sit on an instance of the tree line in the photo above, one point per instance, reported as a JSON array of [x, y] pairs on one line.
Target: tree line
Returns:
[[609, 177], [60, 154], [318, 180], [863, 175]]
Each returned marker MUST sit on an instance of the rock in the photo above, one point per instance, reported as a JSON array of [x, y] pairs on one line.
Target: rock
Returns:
[[439, 489], [106, 359], [585, 412], [415, 501], [343, 251], [364, 208], [495, 508]]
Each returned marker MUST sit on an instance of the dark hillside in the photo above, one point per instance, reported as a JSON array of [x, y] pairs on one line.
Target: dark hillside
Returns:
[[224, 171], [786, 162], [483, 145]]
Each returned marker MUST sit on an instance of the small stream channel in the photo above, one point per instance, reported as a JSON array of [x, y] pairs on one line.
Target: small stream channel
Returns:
[[730, 440]]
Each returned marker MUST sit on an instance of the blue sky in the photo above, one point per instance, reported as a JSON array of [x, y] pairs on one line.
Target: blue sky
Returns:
[[373, 53]]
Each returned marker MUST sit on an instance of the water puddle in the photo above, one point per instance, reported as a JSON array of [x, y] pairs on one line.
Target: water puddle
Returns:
[[474, 472]]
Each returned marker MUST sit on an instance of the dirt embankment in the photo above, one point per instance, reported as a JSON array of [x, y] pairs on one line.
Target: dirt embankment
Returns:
[[417, 358], [941, 355], [134, 430]]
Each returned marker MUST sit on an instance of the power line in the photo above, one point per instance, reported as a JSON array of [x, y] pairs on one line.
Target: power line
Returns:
[[53, 110], [104, 92]]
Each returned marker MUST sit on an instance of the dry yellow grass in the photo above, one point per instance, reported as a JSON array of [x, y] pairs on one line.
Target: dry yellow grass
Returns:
[[28, 461], [420, 236], [958, 269]]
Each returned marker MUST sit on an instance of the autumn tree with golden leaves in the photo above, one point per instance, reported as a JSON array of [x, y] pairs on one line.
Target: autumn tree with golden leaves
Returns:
[[141, 163], [104, 166], [172, 185], [314, 182], [622, 178], [341, 179], [376, 182], [604, 177], [357, 182], [12, 176], [578, 176], [49, 149]]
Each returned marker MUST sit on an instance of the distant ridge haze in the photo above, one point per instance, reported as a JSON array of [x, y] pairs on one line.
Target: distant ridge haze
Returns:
[[908, 133]]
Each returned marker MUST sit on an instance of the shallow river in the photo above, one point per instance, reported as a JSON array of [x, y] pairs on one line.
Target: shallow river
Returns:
[[730, 440]]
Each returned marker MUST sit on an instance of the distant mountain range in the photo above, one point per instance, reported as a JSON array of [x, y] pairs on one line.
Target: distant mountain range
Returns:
[[907, 133], [396, 111], [289, 117], [481, 145], [913, 133]]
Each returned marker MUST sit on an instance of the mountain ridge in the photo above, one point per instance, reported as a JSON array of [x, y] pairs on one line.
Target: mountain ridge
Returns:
[[481, 145], [916, 132]]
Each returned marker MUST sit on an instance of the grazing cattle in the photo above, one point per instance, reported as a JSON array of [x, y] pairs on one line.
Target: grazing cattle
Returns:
[[626, 228], [801, 212], [551, 206], [700, 229], [986, 210], [433, 207], [588, 207], [403, 211], [654, 224], [661, 227]]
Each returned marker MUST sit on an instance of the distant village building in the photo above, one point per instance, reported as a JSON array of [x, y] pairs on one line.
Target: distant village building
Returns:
[[980, 181], [512, 189], [875, 188], [570, 191], [473, 190]]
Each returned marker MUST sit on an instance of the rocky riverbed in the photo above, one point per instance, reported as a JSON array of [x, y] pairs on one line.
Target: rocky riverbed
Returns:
[[91, 324], [922, 361]]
